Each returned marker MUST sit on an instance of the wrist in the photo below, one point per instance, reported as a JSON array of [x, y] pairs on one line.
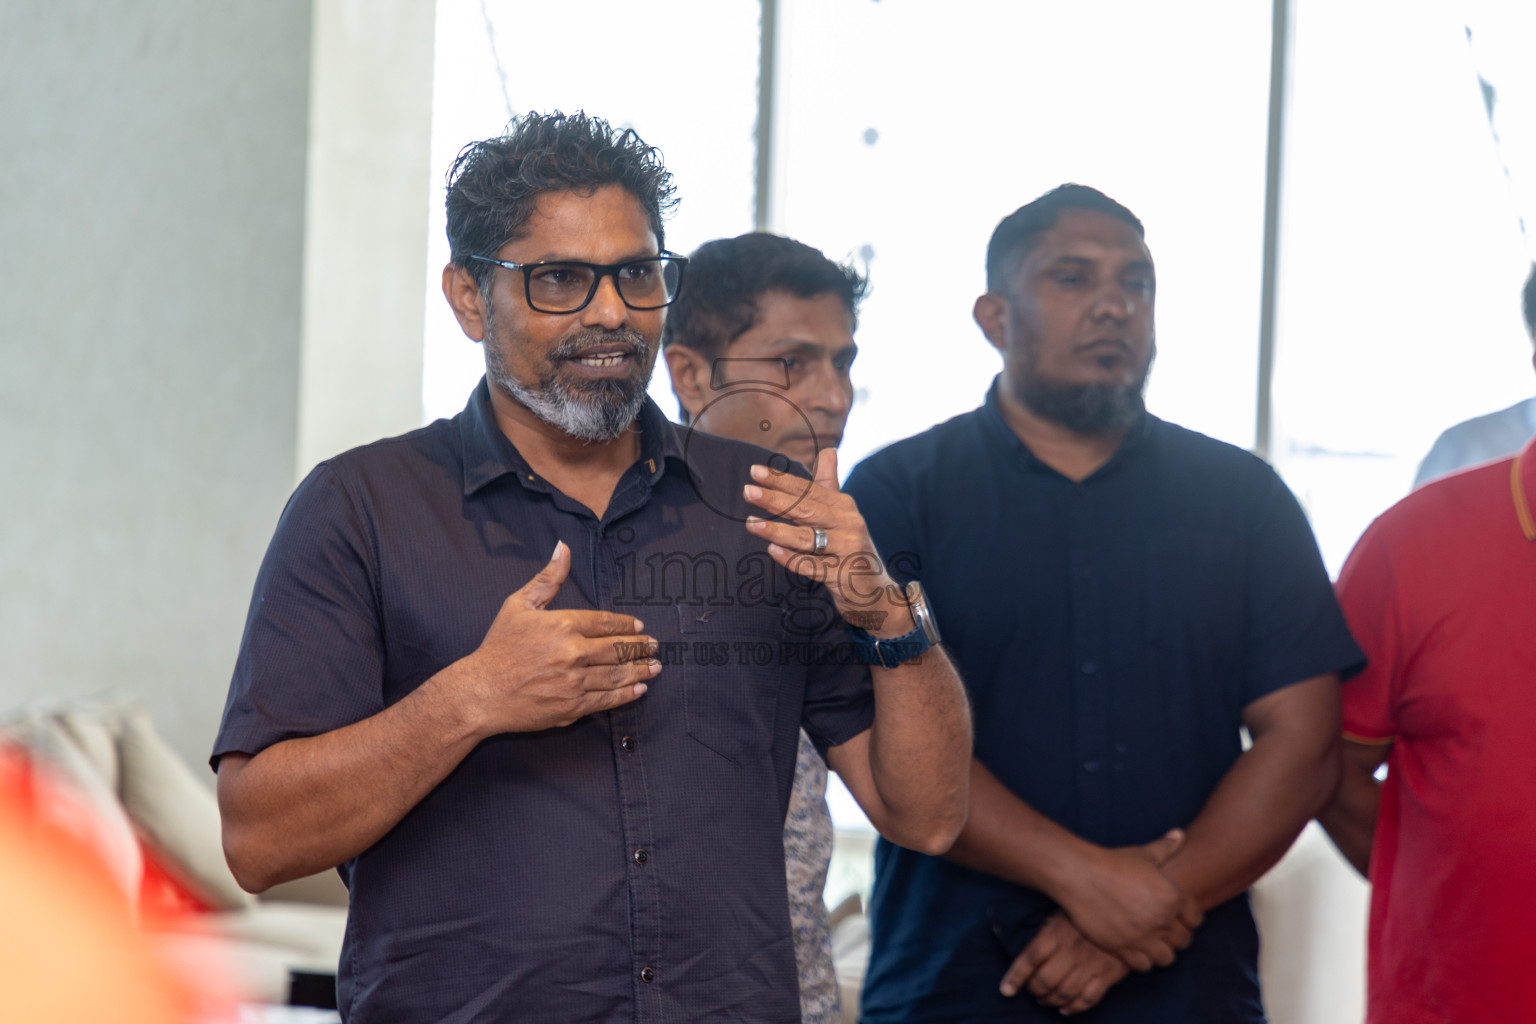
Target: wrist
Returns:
[[1067, 875], [447, 701], [883, 613]]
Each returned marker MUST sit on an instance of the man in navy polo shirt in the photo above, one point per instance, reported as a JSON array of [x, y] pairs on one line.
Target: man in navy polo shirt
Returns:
[[1122, 596], [533, 677]]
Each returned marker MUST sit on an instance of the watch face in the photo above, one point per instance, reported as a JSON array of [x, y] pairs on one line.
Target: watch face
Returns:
[[921, 613]]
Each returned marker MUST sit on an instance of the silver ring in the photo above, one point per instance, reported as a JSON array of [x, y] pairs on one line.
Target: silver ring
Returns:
[[820, 544]]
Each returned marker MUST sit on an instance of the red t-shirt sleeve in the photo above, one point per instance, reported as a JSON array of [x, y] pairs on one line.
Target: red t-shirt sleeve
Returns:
[[1368, 593]]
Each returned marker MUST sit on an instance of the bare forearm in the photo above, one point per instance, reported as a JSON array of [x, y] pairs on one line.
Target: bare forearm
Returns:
[[1005, 837], [1252, 818], [1350, 818], [920, 748], [308, 804]]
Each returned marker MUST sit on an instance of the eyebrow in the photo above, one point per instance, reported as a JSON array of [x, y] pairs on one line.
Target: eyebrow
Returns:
[[573, 259], [1085, 261]]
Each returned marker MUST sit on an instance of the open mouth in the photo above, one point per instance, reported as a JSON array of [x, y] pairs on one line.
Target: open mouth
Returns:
[[599, 361]]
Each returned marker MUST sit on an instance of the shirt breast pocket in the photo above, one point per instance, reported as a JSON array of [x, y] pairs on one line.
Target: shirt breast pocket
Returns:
[[1195, 598], [731, 678]]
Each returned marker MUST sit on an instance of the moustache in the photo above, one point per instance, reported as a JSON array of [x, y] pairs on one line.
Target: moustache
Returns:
[[589, 339]]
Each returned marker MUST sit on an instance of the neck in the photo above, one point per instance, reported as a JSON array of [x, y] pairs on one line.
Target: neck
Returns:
[[584, 470], [1073, 455]]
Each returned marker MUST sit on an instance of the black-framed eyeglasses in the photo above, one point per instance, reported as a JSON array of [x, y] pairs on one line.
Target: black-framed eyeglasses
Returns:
[[566, 286]]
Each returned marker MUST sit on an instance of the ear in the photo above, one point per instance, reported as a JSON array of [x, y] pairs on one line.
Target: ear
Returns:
[[690, 377], [464, 298], [991, 313]]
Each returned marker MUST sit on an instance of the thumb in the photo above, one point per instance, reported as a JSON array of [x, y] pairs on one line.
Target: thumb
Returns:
[[541, 590], [825, 470], [1165, 846]]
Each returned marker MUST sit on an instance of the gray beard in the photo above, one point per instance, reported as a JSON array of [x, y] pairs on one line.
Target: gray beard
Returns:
[[593, 410]]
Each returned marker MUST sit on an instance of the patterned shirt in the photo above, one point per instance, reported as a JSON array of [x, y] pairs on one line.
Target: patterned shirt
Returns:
[[807, 855]]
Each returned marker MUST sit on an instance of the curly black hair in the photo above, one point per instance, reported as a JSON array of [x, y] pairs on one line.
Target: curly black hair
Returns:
[[1019, 232], [726, 276], [494, 184]]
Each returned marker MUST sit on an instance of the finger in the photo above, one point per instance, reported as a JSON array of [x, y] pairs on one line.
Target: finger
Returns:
[[606, 700], [825, 471], [618, 650], [1159, 850], [792, 538], [799, 505], [1088, 998], [1163, 954], [1136, 960], [621, 677], [539, 591], [801, 563], [1050, 975], [590, 622], [1045, 943]]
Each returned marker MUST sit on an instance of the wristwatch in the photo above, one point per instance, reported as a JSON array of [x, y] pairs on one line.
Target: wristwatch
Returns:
[[896, 650]]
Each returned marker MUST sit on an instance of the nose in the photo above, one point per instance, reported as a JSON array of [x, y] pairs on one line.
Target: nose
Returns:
[[606, 309], [1115, 301]]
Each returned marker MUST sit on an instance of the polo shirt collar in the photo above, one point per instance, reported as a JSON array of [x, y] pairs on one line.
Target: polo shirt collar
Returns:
[[489, 455], [992, 415], [1522, 485]]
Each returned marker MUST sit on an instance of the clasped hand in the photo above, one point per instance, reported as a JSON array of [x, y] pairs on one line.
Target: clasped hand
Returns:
[[1119, 914]]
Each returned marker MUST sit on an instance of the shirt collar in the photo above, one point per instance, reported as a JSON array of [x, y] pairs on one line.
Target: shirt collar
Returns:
[[992, 415], [490, 455], [1522, 485]]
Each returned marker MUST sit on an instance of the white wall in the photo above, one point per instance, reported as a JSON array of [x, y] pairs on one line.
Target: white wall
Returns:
[[150, 260], [152, 282]]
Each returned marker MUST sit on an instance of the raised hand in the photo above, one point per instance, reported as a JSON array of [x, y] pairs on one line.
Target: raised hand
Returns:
[[1063, 969], [818, 532], [538, 669], [1121, 902]]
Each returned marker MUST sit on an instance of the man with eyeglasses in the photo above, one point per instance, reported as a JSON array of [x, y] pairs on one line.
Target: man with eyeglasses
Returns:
[[1123, 597], [555, 783], [760, 348]]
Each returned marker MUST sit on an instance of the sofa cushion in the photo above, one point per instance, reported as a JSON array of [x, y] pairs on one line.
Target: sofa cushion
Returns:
[[176, 813]]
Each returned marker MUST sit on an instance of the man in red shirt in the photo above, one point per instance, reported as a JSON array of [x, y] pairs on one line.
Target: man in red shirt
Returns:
[[1440, 592]]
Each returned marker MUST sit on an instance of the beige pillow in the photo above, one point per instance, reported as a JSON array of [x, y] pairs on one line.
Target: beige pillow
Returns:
[[177, 815], [94, 732]]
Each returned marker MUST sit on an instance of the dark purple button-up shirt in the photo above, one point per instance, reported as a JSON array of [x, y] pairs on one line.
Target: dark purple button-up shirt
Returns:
[[627, 867]]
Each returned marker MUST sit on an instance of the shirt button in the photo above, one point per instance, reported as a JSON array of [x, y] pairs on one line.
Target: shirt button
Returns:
[[1090, 667], [647, 974], [1091, 766], [641, 856], [628, 743]]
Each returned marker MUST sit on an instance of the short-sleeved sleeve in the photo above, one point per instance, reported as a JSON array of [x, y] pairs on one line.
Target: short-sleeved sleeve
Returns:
[[1367, 591], [1296, 630], [311, 658]]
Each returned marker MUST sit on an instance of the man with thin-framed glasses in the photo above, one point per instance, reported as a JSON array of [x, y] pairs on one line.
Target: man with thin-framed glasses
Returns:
[[531, 678]]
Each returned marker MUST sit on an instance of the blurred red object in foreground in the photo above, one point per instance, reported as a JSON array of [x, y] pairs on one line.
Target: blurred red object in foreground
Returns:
[[70, 947]]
